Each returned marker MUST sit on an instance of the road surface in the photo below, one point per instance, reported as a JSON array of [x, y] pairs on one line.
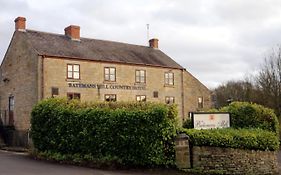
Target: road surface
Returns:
[[12, 163]]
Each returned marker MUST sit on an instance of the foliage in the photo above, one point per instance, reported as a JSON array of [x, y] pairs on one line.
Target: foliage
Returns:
[[256, 139], [249, 115], [132, 134], [187, 124]]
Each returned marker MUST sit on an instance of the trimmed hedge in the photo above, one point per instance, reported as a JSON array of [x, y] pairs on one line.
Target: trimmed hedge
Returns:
[[256, 139], [249, 115], [131, 134]]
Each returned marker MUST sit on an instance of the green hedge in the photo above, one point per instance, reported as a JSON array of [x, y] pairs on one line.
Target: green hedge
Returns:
[[133, 134], [256, 139], [249, 115]]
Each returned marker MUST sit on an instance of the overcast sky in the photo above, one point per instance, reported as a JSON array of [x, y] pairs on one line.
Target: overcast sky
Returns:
[[215, 40]]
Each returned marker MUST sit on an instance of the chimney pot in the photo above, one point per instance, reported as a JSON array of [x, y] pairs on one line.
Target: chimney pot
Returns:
[[73, 32], [153, 43], [20, 24]]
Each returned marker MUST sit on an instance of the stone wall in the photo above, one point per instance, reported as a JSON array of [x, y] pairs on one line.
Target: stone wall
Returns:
[[193, 89], [234, 161], [212, 160], [19, 69], [92, 72]]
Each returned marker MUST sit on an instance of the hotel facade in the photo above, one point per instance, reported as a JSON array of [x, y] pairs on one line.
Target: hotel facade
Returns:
[[39, 65]]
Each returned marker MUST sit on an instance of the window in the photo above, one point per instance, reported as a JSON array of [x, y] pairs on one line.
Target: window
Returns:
[[155, 94], [169, 100], [72, 95], [141, 98], [200, 102], [55, 91], [140, 76], [169, 78], [110, 97], [11, 103], [73, 71], [110, 74], [11, 110]]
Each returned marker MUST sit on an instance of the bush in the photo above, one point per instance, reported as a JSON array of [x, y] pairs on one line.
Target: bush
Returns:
[[256, 139], [187, 124], [132, 134], [248, 115]]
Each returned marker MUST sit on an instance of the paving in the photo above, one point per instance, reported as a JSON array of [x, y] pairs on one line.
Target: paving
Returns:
[[12, 163]]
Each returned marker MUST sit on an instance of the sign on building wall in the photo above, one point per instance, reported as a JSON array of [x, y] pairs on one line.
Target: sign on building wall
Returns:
[[203, 120], [106, 86]]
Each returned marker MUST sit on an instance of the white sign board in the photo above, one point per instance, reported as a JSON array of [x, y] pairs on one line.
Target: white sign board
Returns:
[[210, 120]]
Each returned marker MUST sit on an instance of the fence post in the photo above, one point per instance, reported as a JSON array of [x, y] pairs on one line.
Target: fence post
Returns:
[[182, 151]]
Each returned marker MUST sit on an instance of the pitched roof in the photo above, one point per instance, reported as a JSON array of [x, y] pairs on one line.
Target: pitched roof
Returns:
[[98, 50]]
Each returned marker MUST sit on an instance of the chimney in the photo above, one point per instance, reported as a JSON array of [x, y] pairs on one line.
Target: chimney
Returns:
[[20, 23], [153, 43], [73, 32]]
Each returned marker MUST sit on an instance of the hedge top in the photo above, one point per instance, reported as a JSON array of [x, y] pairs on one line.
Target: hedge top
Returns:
[[250, 115], [253, 139]]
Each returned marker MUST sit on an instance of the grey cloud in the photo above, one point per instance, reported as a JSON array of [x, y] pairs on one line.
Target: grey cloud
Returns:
[[245, 12], [215, 40]]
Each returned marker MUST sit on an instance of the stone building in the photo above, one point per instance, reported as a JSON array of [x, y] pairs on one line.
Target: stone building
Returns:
[[40, 65]]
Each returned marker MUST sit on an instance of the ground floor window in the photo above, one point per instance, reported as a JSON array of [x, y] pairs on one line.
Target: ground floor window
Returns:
[[55, 91], [11, 110], [110, 97], [200, 102], [73, 95], [141, 98], [169, 100]]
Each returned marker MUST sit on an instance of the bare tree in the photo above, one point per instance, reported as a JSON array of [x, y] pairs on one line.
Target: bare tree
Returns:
[[263, 88], [269, 80], [242, 90]]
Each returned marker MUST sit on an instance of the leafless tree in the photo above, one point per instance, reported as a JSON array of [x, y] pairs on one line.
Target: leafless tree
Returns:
[[263, 88], [242, 90], [269, 80]]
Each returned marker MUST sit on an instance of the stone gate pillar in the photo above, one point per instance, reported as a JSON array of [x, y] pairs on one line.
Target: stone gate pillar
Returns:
[[182, 151]]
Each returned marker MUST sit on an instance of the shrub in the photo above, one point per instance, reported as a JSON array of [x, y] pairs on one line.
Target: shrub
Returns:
[[187, 124], [133, 134], [256, 139], [248, 115]]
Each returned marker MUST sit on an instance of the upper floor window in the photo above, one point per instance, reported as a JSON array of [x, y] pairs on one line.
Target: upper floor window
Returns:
[[140, 76], [110, 74], [169, 78], [110, 97], [73, 71], [200, 102], [141, 98], [72, 95]]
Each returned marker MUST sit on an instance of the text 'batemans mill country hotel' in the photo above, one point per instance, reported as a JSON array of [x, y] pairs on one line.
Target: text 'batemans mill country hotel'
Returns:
[[40, 65]]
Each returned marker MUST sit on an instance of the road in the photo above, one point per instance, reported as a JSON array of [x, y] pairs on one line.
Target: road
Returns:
[[12, 163], [20, 164]]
